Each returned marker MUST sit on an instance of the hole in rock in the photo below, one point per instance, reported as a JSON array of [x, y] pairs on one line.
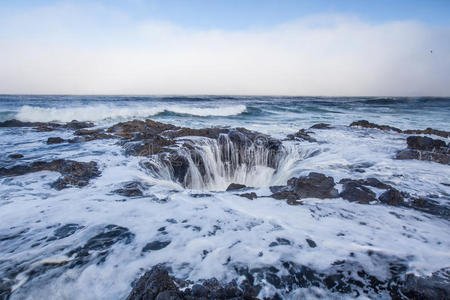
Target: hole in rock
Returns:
[[213, 164]]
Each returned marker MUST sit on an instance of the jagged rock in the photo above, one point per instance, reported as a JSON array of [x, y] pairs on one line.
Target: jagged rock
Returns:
[[425, 148], [15, 156], [392, 197], [249, 196], [152, 283], [98, 246], [155, 245], [311, 243], [432, 131], [73, 173], [65, 231], [46, 126], [55, 140], [302, 134], [321, 126], [93, 134], [371, 181], [436, 286], [131, 189], [315, 185], [235, 186], [139, 130], [367, 124], [154, 145], [158, 284], [353, 191]]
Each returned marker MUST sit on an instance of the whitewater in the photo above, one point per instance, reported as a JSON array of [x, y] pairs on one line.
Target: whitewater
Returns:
[[206, 230]]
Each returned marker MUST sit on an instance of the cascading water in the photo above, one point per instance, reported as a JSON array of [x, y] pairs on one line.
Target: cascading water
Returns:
[[213, 164]]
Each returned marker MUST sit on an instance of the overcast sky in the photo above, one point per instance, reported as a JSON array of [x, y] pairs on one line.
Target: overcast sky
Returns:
[[391, 48]]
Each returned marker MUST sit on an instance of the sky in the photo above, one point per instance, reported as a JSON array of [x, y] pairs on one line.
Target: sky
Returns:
[[247, 47]]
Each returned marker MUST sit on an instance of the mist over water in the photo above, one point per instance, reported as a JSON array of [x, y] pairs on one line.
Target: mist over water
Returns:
[[207, 231]]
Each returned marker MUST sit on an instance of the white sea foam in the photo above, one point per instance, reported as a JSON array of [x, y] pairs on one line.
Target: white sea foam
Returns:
[[105, 112]]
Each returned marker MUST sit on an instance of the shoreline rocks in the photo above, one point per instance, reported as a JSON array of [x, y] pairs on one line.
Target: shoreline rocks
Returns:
[[73, 173], [425, 148]]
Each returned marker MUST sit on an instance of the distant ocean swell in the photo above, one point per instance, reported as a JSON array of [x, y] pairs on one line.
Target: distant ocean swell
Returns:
[[105, 112]]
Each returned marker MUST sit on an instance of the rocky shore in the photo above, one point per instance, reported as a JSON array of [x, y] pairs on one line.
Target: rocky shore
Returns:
[[179, 149]]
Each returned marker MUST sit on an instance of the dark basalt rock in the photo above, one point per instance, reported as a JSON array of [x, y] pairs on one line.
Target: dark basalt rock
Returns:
[[367, 124], [315, 185], [93, 134], [436, 286], [424, 143], [425, 148], [155, 245], [15, 156], [154, 145], [392, 197], [139, 130], [46, 126], [371, 181], [5, 289], [65, 231], [302, 134], [153, 283], [235, 186], [158, 284], [321, 126], [131, 189], [353, 191], [99, 245], [431, 131], [249, 196], [73, 173], [311, 243], [55, 140]]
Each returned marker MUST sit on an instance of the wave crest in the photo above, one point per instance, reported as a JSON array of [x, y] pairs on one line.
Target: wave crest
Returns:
[[104, 112]]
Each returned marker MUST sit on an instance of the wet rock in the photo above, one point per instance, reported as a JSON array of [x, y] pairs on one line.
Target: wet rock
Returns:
[[99, 245], [371, 181], [315, 185], [235, 186], [46, 126], [424, 143], [131, 189], [302, 134], [73, 173], [151, 146], [436, 286], [353, 191], [78, 125], [15, 156], [392, 197], [425, 148], [429, 206], [430, 131], [55, 140], [311, 243], [93, 134], [138, 130], [153, 283], [367, 124], [65, 231], [5, 289], [155, 245], [249, 196], [321, 126]]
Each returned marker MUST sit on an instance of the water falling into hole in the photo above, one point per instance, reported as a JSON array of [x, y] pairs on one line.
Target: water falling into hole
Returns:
[[213, 164]]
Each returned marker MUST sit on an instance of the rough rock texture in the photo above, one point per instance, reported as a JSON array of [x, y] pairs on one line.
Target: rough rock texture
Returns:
[[15, 156], [431, 131], [392, 197], [315, 185], [425, 148], [93, 134], [249, 196], [157, 284], [73, 173], [46, 126], [302, 134], [356, 192], [436, 286], [236, 186], [131, 189], [55, 140], [367, 124], [321, 126]]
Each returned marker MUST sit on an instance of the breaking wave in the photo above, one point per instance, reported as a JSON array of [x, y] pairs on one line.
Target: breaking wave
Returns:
[[104, 112]]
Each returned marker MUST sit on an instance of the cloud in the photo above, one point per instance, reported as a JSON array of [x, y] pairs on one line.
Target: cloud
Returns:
[[93, 50]]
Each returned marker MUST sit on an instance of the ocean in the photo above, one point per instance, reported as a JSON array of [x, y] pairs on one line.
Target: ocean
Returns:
[[197, 228]]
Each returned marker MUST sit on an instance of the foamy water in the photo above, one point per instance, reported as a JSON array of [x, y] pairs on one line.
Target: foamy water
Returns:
[[233, 230]]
